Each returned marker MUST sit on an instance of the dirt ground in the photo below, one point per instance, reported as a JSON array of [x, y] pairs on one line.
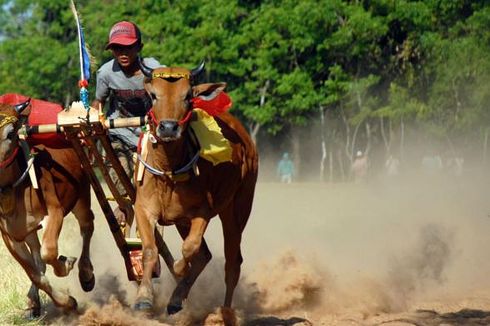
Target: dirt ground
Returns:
[[412, 251]]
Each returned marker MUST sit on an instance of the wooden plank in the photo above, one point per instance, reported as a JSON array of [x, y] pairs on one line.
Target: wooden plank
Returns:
[[72, 134]]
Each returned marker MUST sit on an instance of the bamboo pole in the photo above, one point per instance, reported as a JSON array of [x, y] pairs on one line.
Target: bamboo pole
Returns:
[[108, 124]]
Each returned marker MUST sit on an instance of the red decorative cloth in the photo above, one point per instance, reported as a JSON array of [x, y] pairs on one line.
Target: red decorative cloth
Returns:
[[41, 112], [214, 106]]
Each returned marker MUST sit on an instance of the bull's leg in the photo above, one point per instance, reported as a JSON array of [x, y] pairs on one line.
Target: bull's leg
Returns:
[[33, 301], [33, 309], [85, 218], [191, 245], [49, 250], [197, 265], [21, 253], [232, 233], [146, 228]]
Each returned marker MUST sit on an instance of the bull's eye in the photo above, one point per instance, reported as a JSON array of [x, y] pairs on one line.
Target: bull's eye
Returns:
[[153, 96], [188, 96], [187, 100]]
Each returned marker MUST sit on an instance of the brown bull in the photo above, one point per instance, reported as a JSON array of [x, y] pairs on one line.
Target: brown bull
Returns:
[[63, 187], [174, 193]]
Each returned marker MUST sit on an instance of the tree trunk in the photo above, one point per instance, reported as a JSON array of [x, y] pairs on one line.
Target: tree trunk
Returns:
[[368, 137], [330, 165], [263, 92], [386, 141], [485, 145], [296, 146], [341, 165], [402, 139], [254, 128], [353, 143], [348, 152], [324, 145]]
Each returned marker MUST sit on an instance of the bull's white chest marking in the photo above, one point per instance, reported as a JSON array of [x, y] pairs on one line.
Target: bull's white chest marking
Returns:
[[4, 142]]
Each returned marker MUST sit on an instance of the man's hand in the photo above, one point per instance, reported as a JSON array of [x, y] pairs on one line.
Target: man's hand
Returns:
[[98, 105]]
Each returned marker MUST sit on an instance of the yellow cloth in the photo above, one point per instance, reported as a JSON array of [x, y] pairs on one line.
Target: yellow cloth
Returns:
[[214, 146]]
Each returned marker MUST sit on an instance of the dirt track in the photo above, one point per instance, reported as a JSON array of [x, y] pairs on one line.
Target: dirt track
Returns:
[[392, 253]]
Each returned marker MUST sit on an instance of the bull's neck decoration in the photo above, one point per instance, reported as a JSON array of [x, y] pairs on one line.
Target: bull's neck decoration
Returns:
[[148, 72], [178, 175], [181, 173], [6, 119]]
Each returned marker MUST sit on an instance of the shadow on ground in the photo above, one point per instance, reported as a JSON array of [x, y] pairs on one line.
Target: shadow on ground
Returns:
[[467, 317], [274, 321]]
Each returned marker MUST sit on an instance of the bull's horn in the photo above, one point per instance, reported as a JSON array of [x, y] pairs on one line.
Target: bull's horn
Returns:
[[21, 107], [197, 71], [147, 71]]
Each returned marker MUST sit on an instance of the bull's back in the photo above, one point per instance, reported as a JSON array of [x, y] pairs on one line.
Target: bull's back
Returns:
[[227, 180], [234, 131]]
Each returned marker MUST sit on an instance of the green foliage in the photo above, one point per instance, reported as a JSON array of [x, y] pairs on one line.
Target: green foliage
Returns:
[[425, 61]]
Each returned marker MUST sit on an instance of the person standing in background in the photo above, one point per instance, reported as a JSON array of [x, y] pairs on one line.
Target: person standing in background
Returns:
[[285, 169]]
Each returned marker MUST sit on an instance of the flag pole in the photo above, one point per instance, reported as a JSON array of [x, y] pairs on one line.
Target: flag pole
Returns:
[[84, 60]]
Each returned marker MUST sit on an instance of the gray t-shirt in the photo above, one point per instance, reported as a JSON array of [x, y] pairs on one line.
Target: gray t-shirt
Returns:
[[127, 96]]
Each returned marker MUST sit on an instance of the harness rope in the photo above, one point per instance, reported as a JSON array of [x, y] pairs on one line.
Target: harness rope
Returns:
[[175, 174], [153, 121], [27, 154]]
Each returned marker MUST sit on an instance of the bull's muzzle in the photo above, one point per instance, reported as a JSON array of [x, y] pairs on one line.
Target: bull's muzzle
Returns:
[[168, 130]]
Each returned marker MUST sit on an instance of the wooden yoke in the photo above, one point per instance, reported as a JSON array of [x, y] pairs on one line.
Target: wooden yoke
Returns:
[[72, 135]]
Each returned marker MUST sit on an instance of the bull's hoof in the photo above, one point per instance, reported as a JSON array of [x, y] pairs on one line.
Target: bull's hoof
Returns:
[[87, 286], [173, 308], [143, 305], [31, 314]]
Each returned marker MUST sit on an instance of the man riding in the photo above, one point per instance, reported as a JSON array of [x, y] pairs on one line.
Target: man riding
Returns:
[[120, 83]]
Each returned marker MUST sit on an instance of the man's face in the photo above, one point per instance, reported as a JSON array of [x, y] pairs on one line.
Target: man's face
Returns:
[[125, 54]]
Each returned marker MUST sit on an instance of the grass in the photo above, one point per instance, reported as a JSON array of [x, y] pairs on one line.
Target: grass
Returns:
[[14, 285]]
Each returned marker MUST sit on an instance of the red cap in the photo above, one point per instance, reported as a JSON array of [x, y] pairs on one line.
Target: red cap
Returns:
[[124, 33]]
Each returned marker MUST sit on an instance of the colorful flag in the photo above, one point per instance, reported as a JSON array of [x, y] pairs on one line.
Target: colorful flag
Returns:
[[84, 59]]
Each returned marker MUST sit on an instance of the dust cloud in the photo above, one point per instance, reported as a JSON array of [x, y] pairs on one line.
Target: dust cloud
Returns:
[[412, 249]]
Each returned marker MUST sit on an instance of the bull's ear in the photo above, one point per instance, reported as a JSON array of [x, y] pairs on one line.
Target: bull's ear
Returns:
[[208, 91], [24, 116]]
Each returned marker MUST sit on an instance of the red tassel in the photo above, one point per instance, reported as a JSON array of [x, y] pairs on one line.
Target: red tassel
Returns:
[[83, 83]]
